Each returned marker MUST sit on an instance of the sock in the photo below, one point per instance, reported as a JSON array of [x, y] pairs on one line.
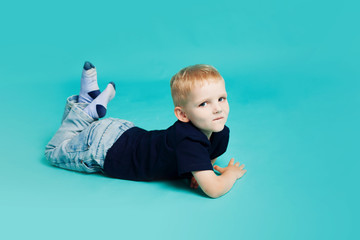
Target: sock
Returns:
[[89, 88], [97, 108]]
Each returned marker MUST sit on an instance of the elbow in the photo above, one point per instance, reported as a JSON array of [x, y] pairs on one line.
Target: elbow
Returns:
[[213, 195], [212, 185], [214, 191]]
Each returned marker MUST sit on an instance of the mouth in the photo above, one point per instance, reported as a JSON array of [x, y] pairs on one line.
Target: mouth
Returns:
[[219, 118]]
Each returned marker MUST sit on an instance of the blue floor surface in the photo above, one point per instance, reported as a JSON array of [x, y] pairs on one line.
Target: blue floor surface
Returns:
[[293, 85]]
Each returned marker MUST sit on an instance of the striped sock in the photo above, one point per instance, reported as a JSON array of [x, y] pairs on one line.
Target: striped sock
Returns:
[[89, 88], [97, 108]]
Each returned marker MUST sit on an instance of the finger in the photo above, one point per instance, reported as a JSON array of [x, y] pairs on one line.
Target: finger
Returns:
[[219, 169], [242, 166], [193, 179], [231, 162], [237, 164], [241, 173]]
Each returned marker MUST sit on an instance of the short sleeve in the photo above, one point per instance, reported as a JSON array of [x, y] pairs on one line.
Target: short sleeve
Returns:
[[192, 155]]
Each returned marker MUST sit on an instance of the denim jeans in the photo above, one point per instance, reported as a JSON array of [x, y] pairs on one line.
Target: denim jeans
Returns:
[[81, 143]]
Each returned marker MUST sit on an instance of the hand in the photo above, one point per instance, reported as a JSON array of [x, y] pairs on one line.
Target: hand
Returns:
[[234, 168], [193, 183]]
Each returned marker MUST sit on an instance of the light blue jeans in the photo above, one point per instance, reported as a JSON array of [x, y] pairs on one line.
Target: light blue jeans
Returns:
[[81, 143]]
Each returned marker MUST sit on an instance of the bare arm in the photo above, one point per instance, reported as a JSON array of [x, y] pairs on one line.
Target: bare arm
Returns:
[[193, 182], [215, 186]]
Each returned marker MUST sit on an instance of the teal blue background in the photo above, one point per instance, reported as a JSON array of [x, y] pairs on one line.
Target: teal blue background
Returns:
[[292, 74]]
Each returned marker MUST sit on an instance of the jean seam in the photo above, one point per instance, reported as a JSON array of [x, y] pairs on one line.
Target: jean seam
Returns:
[[100, 141]]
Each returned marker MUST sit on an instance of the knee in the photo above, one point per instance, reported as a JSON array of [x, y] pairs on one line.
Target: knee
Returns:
[[49, 154]]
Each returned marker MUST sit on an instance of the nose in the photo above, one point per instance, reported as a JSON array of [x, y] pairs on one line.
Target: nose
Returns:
[[217, 108]]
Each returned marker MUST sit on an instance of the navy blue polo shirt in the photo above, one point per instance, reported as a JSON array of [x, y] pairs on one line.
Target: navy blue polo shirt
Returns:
[[163, 154]]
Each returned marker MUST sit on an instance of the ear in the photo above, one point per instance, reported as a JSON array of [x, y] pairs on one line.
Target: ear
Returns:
[[180, 114]]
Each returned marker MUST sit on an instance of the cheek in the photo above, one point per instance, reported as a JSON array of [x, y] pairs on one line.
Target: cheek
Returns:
[[226, 107], [198, 116]]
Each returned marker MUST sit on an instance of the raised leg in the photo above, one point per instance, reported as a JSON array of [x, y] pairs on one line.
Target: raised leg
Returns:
[[68, 147], [89, 88]]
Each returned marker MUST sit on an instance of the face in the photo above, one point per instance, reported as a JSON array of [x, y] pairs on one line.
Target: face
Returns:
[[207, 107]]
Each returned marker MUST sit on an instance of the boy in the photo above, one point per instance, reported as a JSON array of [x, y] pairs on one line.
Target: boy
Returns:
[[117, 148]]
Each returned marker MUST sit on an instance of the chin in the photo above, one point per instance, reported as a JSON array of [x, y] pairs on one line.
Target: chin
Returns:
[[218, 129]]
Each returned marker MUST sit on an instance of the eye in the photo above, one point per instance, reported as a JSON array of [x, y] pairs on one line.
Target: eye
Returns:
[[222, 99], [203, 104]]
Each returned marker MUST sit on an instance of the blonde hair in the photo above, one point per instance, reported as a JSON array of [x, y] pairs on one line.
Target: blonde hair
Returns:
[[183, 81]]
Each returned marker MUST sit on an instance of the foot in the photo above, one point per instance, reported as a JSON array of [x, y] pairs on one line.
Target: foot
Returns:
[[89, 88], [97, 108]]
